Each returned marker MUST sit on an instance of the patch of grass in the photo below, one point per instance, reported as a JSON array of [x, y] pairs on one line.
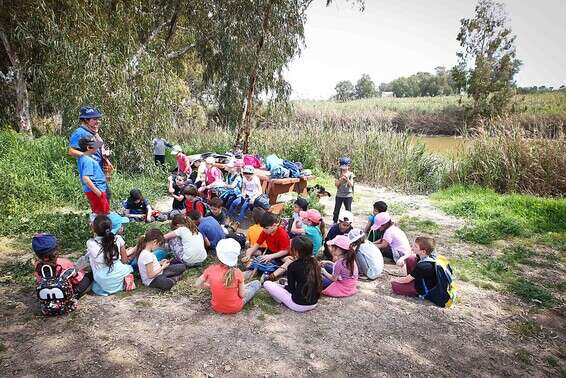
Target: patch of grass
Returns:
[[551, 361], [562, 352], [503, 272], [493, 216], [524, 356], [397, 208], [265, 303], [531, 292], [18, 272], [421, 225], [526, 328], [142, 303], [2, 346]]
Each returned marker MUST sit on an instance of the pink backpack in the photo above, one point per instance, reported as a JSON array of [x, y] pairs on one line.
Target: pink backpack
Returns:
[[252, 160]]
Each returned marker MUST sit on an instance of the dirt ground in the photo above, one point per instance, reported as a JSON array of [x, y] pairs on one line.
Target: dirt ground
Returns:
[[374, 333]]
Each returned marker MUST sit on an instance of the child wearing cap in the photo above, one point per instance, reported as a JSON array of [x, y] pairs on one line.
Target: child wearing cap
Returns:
[[373, 235], [420, 270], [303, 279], [344, 187], [368, 256], [341, 277], [183, 161], [226, 281], [251, 189], [274, 236], [137, 207], [232, 184], [92, 176], [312, 226], [344, 225], [394, 243], [108, 259], [46, 248]]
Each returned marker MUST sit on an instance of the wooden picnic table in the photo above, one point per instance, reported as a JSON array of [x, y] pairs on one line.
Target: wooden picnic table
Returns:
[[274, 187]]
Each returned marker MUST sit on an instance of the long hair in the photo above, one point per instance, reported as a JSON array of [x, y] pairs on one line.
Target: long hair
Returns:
[[149, 236], [229, 275], [322, 227], [357, 244], [181, 220], [349, 255], [301, 246], [102, 226]]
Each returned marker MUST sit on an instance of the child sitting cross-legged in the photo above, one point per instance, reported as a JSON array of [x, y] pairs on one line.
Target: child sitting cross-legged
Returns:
[[226, 281], [255, 230], [341, 277], [186, 243], [299, 205], [373, 235], [303, 279], [108, 259], [420, 270], [274, 236], [136, 207], [394, 243], [161, 275], [368, 256]]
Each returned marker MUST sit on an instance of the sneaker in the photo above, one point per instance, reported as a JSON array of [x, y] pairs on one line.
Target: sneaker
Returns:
[[263, 278], [129, 283]]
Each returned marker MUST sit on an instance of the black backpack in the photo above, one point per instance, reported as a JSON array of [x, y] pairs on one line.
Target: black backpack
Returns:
[[239, 237], [55, 291]]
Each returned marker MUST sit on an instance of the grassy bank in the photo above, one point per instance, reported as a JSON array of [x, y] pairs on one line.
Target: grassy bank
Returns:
[[527, 236], [40, 189]]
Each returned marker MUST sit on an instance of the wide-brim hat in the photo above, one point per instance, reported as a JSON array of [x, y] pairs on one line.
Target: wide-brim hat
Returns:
[[355, 234], [228, 251], [89, 112], [117, 221]]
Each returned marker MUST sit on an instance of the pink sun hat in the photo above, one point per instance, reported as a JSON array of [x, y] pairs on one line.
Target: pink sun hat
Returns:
[[311, 215], [341, 241], [380, 219]]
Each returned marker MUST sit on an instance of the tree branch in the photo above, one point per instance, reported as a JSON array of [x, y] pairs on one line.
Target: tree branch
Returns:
[[181, 52]]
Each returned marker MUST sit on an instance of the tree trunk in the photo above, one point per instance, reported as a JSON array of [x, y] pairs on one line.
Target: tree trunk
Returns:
[[244, 130], [22, 96]]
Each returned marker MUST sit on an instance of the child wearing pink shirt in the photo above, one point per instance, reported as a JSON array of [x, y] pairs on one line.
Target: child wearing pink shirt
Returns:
[[394, 243], [341, 278]]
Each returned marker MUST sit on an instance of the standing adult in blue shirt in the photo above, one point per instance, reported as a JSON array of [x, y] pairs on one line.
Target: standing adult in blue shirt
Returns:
[[89, 118]]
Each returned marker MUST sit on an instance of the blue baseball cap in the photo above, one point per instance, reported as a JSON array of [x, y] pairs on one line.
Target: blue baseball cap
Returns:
[[89, 112], [345, 161], [43, 243], [117, 221]]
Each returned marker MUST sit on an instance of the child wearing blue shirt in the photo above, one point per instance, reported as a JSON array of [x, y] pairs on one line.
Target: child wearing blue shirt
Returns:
[[92, 177]]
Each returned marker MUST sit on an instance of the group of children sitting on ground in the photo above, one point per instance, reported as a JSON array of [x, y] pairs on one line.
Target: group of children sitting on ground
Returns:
[[297, 262]]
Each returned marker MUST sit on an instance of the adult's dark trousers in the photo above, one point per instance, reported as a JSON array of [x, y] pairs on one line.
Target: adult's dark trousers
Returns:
[[169, 277], [159, 159], [347, 201]]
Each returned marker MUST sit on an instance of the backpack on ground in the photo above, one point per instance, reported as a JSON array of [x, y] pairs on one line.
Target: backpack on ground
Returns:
[[444, 293], [262, 201], [239, 237], [55, 292], [263, 267]]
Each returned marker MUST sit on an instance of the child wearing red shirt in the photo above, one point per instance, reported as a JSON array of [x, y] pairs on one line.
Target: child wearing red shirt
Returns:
[[274, 236]]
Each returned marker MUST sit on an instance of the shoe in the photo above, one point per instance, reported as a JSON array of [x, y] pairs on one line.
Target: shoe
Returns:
[[263, 277], [129, 283]]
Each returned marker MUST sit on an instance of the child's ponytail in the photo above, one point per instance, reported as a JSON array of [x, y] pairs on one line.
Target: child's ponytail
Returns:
[[229, 276], [150, 235], [102, 226], [350, 257], [322, 227]]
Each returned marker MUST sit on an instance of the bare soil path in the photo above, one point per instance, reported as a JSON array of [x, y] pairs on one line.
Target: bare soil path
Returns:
[[374, 333]]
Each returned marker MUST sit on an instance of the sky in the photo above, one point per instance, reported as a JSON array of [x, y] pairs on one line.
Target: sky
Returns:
[[394, 38]]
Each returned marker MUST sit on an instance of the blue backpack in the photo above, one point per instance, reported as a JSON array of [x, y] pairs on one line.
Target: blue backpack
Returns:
[[264, 267], [444, 293], [294, 170]]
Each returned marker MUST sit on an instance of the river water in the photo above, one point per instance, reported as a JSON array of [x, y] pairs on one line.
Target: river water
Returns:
[[443, 145]]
